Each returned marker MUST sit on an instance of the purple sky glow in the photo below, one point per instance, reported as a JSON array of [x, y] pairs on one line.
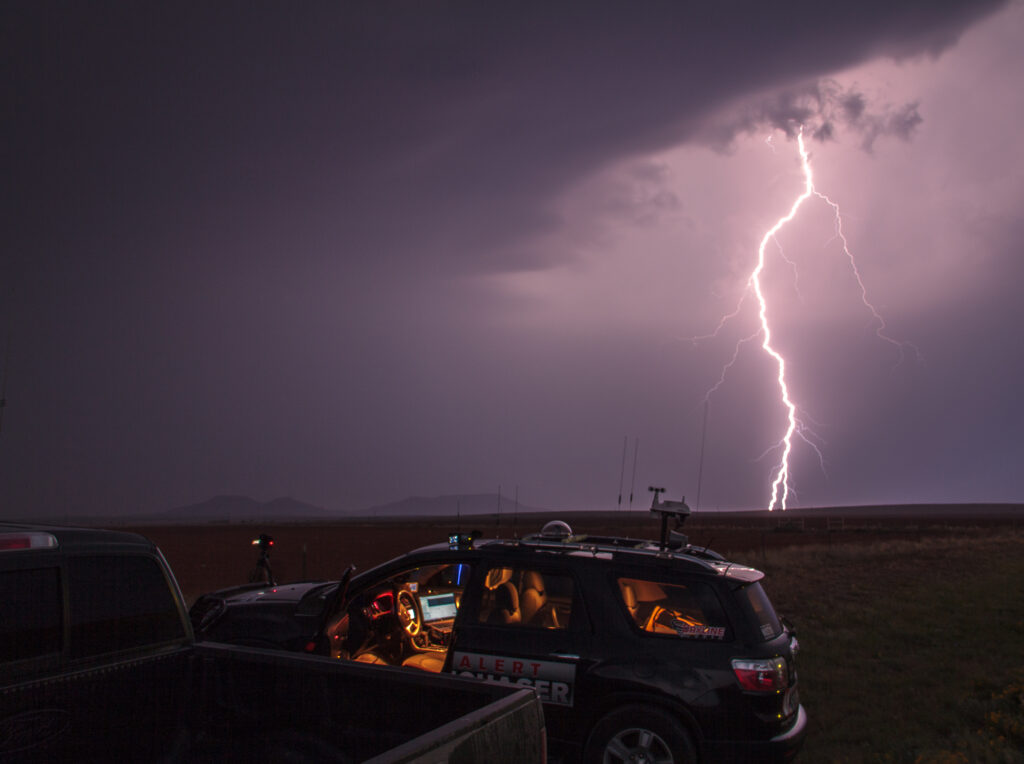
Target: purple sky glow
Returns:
[[352, 252]]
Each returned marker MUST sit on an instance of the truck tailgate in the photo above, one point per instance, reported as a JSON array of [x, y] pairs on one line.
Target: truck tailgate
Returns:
[[324, 709]]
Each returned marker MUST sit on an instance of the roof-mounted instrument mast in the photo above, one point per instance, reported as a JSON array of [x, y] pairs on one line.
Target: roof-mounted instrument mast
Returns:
[[675, 509]]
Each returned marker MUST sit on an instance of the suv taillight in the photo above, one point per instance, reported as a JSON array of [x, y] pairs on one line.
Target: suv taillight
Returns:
[[761, 674]]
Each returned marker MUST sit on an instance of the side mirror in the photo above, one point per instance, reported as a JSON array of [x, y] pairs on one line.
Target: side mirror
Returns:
[[338, 599]]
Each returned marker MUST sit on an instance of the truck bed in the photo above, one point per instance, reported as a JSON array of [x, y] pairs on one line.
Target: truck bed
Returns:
[[268, 702]]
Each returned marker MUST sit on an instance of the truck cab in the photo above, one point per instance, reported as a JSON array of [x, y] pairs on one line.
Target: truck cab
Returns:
[[98, 664], [91, 622]]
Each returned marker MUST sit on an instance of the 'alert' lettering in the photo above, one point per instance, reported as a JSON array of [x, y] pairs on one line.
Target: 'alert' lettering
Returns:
[[551, 680]]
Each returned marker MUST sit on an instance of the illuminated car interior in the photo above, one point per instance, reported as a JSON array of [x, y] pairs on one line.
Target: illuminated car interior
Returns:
[[662, 608], [405, 620], [526, 597]]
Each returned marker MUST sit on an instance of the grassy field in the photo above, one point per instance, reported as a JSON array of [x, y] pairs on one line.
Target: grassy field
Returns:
[[911, 651]]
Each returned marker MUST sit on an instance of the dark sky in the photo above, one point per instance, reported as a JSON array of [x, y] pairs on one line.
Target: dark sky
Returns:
[[350, 252]]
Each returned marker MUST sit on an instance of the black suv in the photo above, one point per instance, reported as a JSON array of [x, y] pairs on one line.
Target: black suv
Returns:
[[642, 651]]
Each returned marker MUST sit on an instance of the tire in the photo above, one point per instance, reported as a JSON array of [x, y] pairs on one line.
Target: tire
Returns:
[[639, 734]]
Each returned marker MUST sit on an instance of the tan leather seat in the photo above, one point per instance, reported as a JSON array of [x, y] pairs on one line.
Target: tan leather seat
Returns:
[[369, 657], [497, 576], [426, 661], [629, 597], [506, 605], [533, 597]]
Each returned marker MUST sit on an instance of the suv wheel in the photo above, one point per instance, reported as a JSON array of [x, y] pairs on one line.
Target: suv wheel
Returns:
[[639, 735]]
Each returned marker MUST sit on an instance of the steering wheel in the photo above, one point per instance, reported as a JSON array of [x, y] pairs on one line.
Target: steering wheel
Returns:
[[409, 613]]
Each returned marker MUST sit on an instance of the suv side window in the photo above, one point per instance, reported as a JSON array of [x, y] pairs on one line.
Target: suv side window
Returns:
[[31, 613], [527, 597], [119, 602], [688, 611]]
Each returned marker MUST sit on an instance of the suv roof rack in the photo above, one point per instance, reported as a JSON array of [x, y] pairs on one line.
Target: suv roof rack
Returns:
[[620, 546]]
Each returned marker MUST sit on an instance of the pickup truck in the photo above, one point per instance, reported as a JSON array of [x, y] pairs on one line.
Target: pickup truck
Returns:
[[98, 663]]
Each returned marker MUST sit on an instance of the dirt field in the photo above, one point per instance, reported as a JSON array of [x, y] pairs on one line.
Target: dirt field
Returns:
[[213, 556]]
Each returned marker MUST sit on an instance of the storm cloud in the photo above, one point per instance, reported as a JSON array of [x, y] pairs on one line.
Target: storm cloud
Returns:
[[351, 252]]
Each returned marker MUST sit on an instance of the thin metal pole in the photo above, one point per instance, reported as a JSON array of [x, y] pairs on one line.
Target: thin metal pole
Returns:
[[632, 483], [622, 472], [700, 468]]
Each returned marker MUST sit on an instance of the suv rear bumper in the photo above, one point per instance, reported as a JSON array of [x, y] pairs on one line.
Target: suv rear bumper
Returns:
[[782, 747]]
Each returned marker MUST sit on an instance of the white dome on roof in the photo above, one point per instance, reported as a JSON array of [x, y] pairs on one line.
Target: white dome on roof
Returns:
[[556, 529]]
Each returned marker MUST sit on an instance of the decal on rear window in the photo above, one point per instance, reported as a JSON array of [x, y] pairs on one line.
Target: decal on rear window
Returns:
[[699, 632]]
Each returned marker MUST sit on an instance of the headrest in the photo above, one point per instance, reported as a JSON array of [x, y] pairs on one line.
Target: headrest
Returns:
[[497, 576], [628, 596], [533, 580], [507, 598]]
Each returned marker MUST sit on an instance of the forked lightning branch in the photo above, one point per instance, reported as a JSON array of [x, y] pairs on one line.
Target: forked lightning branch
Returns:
[[781, 484]]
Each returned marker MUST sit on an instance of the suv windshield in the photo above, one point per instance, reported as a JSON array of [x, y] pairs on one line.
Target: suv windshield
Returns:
[[754, 600]]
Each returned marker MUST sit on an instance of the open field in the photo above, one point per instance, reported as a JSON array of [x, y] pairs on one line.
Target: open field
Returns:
[[912, 650], [911, 626], [214, 555]]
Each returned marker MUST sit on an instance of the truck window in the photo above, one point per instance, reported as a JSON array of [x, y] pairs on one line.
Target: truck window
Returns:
[[527, 597], [31, 613], [119, 602], [686, 611]]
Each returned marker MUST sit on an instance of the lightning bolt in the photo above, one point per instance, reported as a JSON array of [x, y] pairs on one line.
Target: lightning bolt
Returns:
[[781, 487]]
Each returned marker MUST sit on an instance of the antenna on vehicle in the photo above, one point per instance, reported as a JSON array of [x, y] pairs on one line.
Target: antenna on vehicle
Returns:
[[636, 450], [515, 514], [675, 509], [622, 470], [700, 467]]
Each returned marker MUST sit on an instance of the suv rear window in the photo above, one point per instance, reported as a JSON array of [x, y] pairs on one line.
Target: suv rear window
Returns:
[[687, 611], [754, 600]]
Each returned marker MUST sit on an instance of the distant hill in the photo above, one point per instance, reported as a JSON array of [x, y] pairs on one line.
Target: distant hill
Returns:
[[239, 509], [450, 506]]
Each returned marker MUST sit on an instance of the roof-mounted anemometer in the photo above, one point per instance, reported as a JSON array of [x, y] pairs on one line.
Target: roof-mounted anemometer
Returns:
[[674, 509]]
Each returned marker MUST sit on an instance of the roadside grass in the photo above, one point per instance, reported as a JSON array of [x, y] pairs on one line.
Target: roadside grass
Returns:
[[911, 651]]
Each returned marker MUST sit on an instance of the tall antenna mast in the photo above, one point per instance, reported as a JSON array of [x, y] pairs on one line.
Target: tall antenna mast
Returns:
[[700, 467], [636, 450], [515, 513], [622, 472]]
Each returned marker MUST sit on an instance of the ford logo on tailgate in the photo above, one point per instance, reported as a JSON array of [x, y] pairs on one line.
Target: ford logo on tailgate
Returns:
[[25, 731]]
